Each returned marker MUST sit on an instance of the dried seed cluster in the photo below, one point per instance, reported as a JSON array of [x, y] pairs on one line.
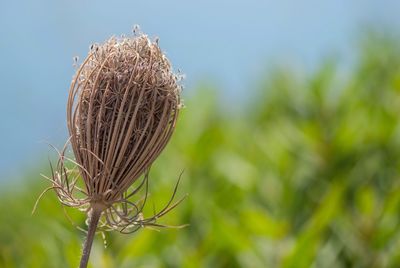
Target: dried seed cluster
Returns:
[[122, 109], [127, 103]]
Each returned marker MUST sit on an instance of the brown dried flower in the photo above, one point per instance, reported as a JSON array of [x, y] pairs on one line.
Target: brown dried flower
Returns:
[[122, 109]]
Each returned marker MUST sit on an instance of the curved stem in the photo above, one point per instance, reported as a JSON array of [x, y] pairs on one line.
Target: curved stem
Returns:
[[87, 246]]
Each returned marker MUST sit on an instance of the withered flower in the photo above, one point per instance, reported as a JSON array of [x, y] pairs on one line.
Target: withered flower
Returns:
[[122, 109]]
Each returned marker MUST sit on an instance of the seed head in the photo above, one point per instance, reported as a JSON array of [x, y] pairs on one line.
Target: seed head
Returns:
[[122, 109]]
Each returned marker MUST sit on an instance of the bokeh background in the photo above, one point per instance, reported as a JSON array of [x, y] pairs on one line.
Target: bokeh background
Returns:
[[289, 142]]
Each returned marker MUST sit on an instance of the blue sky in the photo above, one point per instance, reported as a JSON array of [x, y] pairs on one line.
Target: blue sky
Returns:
[[228, 42]]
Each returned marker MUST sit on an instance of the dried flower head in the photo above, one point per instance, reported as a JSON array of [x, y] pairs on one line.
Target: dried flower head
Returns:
[[122, 109], [121, 112]]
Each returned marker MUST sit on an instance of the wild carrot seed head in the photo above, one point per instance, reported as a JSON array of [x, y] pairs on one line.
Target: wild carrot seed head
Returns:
[[121, 112], [122, 109]]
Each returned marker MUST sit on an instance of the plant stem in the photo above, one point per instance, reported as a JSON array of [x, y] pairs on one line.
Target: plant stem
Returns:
[[87, 246]]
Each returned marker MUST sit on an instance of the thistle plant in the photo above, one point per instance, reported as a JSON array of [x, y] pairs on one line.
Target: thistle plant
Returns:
[[122, 109]]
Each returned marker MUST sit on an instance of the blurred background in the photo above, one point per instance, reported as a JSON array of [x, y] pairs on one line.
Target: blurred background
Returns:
[[289, 142]]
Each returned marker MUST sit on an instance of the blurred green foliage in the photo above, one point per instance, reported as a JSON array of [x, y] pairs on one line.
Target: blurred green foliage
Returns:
[[306, 176]]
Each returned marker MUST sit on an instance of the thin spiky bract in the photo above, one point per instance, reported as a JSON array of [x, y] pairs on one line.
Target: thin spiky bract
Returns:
[[122, 109]]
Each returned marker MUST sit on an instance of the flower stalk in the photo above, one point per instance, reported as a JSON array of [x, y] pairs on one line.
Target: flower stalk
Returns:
[[87, 246]]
